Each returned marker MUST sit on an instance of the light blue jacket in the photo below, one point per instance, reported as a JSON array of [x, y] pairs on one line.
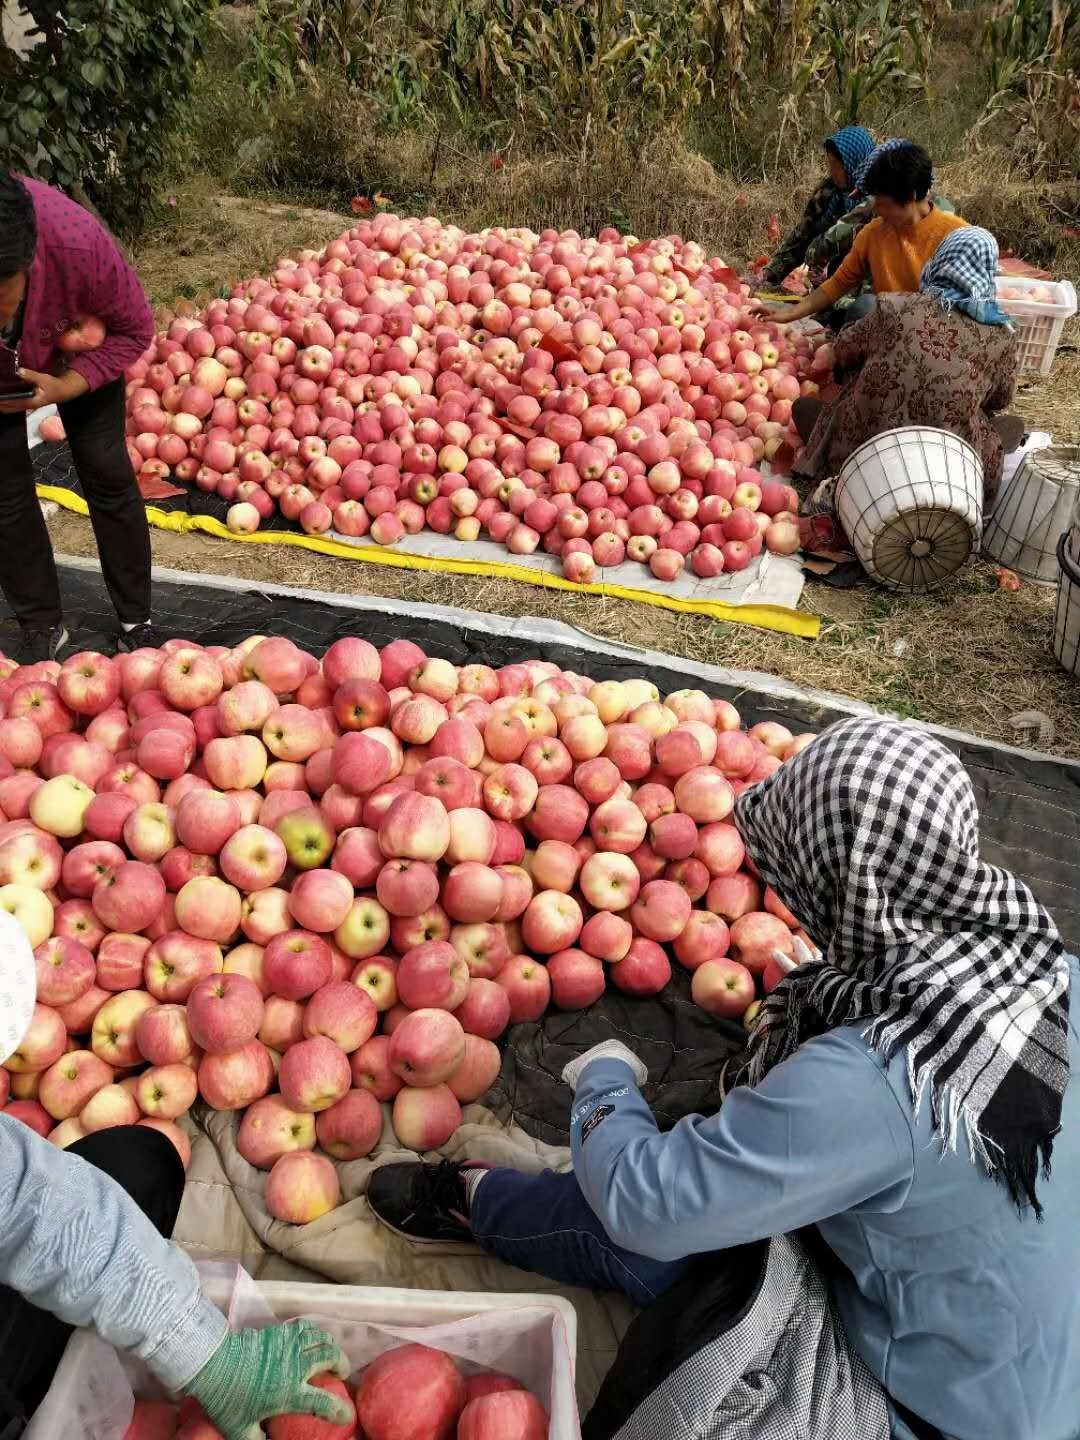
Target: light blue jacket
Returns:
[[73, 1243], [968, 1313]]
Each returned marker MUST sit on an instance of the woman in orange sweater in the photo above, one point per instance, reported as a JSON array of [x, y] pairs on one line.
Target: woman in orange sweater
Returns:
[[893, 249]]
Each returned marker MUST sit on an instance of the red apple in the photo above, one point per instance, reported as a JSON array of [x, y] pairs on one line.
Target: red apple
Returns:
[[723, 988], [408, 1392], [577, 980], [505, 1415]]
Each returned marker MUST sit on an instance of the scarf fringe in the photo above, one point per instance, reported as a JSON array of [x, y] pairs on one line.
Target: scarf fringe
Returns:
[[1019, 1172]]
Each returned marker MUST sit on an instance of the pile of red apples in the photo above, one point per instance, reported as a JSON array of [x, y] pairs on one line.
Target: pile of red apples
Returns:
[[412, 1392], [304, 891], [599, 398]]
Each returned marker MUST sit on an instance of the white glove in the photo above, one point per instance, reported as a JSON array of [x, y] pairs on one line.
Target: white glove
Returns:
[[802, 954], [606, 1050]]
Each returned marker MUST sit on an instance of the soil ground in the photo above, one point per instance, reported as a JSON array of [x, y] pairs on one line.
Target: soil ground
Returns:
[[972, 655]]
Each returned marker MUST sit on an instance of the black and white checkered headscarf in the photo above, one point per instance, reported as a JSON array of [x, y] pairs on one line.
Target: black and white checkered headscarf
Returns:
[[870, 836]]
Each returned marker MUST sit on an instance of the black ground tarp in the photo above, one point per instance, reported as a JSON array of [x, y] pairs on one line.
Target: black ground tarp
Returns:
[[54, 465], [1029, 808]]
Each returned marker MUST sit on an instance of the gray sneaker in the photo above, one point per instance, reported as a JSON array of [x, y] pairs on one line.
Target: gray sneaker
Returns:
[[40, 643], [143, 637]]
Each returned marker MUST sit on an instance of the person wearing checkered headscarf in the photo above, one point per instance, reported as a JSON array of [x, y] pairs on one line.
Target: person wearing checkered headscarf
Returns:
[[943, 358], [826, 1257], [962, 273], [870, 836]]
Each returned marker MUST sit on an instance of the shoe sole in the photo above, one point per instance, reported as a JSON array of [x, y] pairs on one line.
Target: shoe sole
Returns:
[[466, 1237]]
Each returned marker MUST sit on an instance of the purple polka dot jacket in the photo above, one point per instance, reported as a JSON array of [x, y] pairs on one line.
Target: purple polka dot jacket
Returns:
[[79, 269]]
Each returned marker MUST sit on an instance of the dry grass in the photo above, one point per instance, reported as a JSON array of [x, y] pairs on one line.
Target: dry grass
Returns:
[[1053, 404], [212, 240], [971, 656]]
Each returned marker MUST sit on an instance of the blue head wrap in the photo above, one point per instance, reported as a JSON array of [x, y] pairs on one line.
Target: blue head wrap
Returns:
[[853, 144], [961, 273]]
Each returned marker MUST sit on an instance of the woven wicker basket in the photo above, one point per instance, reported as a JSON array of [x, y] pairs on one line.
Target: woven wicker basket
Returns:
[[1035, 509], [1067, 614], [910, 503]]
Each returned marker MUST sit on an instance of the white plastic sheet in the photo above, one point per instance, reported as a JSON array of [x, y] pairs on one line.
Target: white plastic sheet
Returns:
[[772, 580]]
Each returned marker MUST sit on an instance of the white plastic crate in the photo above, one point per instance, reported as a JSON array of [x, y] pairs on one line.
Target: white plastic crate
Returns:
[[1036, 507], [1039, 321], [1067, 614], [532, 1337]]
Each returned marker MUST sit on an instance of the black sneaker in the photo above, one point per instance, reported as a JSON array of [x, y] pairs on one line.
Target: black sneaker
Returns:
[[422, 1202], [37, 644], [143, 637]]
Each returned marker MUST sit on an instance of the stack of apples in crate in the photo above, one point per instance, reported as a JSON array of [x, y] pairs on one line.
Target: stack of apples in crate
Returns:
[[305, 891], [412, 1392]]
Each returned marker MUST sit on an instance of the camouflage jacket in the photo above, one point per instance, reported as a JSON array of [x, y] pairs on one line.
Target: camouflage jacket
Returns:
[[813, 225], [819, 246]]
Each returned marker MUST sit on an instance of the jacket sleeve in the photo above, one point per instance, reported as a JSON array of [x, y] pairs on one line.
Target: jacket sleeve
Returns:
[[830, 247], [72, 1242], [119, 300], [792, 251], [855, 341], [852, 271], [823, 1133]]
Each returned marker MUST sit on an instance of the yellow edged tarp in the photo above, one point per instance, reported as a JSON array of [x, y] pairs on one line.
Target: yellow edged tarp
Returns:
[[766, 617]]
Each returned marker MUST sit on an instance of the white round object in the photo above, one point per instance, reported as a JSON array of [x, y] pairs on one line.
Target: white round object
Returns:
[[1067, 613], [1033, 511], [910, 503], [18, 984]]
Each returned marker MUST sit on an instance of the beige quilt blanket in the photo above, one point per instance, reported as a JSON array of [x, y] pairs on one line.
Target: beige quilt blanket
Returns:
[[224, 1217]]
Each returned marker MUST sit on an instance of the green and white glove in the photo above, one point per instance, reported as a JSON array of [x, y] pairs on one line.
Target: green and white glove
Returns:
[[256, 1374]]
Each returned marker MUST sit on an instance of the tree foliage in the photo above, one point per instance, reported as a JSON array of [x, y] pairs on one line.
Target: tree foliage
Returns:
[[94, 104]]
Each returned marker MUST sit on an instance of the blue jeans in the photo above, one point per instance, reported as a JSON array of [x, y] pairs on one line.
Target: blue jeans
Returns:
[[544, 1223]]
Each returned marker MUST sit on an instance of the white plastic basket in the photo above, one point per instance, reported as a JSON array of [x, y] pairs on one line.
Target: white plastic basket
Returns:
[[1067, 614], [1039, 309], [532, 1337], [910, 503], [1033, 512]]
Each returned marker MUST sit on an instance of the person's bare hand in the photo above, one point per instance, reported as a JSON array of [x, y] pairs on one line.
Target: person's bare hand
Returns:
[[48, 390], [776, 310]]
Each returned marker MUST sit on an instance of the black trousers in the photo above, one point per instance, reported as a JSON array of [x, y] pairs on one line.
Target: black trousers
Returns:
[[95, 428], [145, 1164]]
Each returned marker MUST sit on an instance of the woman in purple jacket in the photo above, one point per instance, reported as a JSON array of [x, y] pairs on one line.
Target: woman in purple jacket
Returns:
[[57, 263]]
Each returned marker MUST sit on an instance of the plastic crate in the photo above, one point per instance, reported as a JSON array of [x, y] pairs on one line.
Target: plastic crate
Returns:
[[532, 1337], [1039, 323]]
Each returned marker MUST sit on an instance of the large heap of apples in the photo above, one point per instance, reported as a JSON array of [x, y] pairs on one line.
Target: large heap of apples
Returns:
[[604, 399], [305, 890]]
